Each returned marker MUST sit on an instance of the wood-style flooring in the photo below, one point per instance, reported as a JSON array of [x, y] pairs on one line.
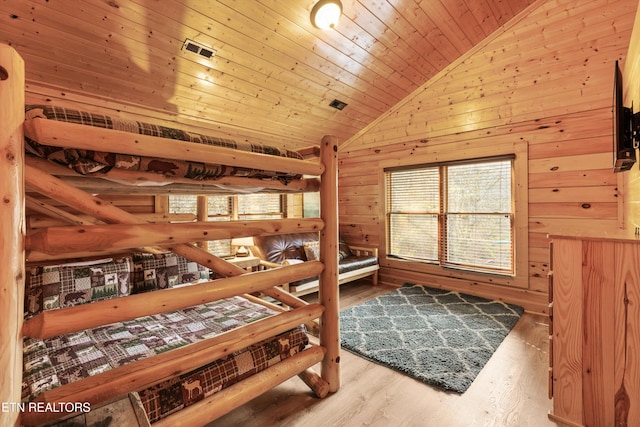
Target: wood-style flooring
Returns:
[[510, 391]]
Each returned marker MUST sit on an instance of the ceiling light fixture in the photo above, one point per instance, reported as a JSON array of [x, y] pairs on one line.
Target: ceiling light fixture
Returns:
[[326, 13]]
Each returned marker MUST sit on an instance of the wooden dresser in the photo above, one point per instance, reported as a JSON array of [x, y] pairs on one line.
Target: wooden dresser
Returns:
[[594, 329]]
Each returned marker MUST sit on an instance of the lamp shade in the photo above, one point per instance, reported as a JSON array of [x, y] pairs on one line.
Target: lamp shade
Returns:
[[326, 13], [241, 244], [242, 241]]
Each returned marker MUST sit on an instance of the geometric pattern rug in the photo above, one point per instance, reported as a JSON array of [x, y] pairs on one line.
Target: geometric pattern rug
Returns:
[[439, 337]]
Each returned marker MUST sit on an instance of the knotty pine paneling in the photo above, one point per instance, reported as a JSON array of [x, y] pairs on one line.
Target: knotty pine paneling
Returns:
[[579, 178], [630, 181], [571, 163], [273, 74], [627, 334], [557, 194], [591, 145], [545, 80], [574, 210]]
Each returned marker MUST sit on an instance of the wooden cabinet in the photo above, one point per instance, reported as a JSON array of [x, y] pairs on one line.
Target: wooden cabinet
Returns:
[[594, 288]]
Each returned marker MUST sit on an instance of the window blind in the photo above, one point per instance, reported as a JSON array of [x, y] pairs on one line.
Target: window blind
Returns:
[[260, 206], [478, 217], [413, 206]]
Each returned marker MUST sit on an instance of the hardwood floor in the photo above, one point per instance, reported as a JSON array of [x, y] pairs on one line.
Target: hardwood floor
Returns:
[[510, 391]]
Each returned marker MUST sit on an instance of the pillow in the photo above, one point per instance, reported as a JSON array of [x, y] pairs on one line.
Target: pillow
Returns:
[[292, 261], [56, 286], [343, 250], [312, 250], [152, 272]]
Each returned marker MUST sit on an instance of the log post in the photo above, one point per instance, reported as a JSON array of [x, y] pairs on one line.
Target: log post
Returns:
[[12, 231], [328, 291], [203, 216]]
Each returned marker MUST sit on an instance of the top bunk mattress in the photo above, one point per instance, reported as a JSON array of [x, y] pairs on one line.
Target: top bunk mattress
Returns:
[[89, 162]]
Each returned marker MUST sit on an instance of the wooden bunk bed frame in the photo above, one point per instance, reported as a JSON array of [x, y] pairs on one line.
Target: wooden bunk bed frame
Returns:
[[126, 231]]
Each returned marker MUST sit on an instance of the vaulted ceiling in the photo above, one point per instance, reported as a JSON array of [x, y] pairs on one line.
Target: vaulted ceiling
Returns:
[[273, 75]]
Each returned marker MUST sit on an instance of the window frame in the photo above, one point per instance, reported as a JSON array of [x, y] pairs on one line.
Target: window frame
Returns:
[[443, 213], [460, 152]]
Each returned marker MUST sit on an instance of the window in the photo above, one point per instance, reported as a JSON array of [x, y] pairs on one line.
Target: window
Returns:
[[226, 208], [457, 215]]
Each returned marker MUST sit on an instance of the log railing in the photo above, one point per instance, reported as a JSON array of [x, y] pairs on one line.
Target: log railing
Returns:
[[150, 371], [120, 181], [76, 318], [116, 237], [62, 134], [228, 399]]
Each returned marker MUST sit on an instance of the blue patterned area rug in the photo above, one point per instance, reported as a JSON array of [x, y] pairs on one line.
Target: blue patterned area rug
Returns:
[[439, 337]]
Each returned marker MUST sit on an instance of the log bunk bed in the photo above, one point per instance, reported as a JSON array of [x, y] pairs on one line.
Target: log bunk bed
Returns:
[[111, 231]]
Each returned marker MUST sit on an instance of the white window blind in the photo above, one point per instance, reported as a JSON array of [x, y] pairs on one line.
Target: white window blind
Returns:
[[479, 217], [183, 204], [457, 215], [260, 206], [413, 202]]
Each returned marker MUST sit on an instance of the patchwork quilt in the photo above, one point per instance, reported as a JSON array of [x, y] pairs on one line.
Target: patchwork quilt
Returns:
[[57, 286]]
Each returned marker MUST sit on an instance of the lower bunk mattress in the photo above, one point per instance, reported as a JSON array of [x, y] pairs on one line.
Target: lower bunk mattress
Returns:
[[61, 360]]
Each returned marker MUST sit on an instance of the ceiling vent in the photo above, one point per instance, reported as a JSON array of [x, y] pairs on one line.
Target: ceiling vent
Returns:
[[198, 49], [338, 105]]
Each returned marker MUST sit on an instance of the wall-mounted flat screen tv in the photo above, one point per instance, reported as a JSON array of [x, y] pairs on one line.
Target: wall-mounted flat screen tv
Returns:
[[624, 149]]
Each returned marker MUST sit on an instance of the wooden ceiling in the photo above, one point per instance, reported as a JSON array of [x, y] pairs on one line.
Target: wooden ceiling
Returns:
[[273, 75]]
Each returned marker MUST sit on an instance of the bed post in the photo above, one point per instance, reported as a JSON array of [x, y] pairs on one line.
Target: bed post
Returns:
[[11, 232], [328, 291]]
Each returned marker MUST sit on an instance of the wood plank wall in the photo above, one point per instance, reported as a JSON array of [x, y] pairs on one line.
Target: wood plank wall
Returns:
[[631, 95], [546, 78]]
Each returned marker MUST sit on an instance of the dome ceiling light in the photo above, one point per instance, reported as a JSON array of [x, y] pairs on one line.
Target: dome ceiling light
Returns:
[[326, 13]]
